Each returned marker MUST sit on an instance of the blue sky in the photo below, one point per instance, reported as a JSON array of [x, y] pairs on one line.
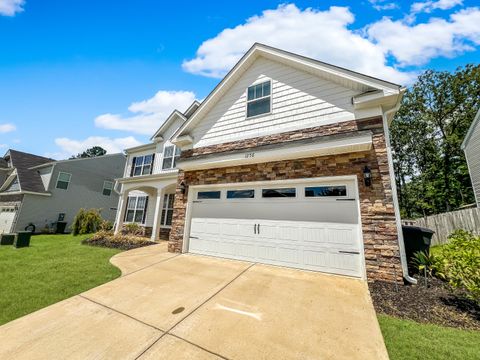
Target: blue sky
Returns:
[[79, 73]]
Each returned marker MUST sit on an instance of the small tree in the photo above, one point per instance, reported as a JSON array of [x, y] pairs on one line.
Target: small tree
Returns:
[[86, 221]]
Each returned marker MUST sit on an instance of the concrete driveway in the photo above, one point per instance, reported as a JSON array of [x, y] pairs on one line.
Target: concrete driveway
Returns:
[[168, 306]]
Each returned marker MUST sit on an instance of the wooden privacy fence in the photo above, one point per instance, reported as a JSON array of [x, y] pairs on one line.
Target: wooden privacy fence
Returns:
[[444, 224]]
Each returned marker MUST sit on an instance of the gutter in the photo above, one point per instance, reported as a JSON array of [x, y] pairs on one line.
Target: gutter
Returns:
[[398, 220]]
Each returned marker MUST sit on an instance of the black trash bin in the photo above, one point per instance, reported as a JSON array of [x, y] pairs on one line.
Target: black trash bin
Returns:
[[416, 239], [22, 239], [7, 239], [60, 227]]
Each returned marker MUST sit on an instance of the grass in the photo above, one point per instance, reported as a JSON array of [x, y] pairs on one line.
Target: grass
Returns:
[[409, 340], [53, 268]]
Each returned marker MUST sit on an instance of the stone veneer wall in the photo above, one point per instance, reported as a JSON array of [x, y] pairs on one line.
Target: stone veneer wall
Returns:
[[382, 255]]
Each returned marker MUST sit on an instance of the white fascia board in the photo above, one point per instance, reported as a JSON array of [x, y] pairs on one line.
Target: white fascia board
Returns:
[[357, 143], [162, 175], [139, 148]]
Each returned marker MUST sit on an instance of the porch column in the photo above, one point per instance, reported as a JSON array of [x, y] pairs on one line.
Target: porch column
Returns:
[[120, 212], [156, 217]]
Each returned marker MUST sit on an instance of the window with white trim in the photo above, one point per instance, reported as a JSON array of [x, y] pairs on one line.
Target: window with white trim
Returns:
[[259, 99], [171, 154], [167, 210], [107, 188], [136, 209], [142, 165], [63, 180]]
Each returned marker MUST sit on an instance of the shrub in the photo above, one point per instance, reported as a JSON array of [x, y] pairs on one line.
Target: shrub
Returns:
[[459, 263], [119, 241], [133, 229], [426, 262], [86, 221], [106, 225]]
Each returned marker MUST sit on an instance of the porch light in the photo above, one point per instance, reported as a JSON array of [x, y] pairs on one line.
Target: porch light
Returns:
[[367, 176], [183, 187]]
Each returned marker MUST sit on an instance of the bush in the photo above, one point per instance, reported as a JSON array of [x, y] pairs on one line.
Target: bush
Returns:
[[120, 241], [425, 262], [86, 221], [459, 263], [133, 229], [106, 225]]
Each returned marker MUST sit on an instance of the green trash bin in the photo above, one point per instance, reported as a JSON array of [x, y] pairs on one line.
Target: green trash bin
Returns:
[[7, 239], [22, 239]]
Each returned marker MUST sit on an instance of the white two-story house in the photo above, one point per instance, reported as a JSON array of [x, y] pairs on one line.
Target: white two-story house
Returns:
[[286, 162], [149, 181]]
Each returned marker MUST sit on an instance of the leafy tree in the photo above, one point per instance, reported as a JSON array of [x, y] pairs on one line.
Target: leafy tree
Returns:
[[92, 152], [430, 167]]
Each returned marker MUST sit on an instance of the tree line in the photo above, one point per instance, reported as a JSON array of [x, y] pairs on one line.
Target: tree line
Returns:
[[427, 132]]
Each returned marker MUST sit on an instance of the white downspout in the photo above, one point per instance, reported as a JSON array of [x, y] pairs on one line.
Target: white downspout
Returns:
[[401, 244]]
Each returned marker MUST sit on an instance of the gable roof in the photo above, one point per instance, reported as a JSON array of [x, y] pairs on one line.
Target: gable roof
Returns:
[[342, 76], [28, 178], [475, 123]]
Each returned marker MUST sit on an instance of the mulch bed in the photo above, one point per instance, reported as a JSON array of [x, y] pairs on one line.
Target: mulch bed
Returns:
[[122, 244], [434, 304]]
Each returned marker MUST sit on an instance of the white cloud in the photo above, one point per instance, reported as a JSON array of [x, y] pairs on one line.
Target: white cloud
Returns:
[[11, 7], [429, 6], [384, 48], [71, 147], [381, 5], [149, 114], [5, 128], [323, 35], [418, 44]]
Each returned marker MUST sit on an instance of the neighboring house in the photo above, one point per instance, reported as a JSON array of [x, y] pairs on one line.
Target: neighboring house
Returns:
[[286, 162], [41, 191], [471, 147]]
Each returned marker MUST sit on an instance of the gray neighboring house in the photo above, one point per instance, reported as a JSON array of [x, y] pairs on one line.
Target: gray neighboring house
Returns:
[[471, 147], [41, 191]]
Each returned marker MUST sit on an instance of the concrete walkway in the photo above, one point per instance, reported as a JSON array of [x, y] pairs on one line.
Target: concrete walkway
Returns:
[[168, 306]]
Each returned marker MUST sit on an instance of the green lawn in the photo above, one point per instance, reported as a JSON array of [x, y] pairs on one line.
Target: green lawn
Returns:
[[53, 268], [408, 340]]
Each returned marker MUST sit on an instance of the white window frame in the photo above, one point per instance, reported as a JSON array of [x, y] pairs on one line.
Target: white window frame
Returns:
[[135, 209], [174, 157], [142, 167], [165, 210], [105, 188], [58, 179], [260, 98]]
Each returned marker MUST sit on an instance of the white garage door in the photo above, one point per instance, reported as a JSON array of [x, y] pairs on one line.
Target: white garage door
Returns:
[[309, 225], [7, 215]]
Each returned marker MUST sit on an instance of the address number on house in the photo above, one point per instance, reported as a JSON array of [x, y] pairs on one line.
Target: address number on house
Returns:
[[249, 155]]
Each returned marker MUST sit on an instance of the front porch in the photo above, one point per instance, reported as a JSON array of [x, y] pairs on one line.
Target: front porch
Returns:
[[147, 202]]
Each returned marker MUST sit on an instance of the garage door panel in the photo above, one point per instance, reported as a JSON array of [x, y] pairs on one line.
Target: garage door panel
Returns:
[[295, 232]]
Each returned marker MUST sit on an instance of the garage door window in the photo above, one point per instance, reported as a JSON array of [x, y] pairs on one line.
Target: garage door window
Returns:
[[325, 191], [279, 193], [205, 195], [240, 194]]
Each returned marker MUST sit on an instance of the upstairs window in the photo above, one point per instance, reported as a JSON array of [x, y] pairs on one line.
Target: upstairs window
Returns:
[[63, 180], [107, 188], [142, 165], [259, 99], [171, 154]]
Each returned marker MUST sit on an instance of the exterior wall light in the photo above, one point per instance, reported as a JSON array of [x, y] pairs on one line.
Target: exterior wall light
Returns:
[[367, 176], [183, 187]]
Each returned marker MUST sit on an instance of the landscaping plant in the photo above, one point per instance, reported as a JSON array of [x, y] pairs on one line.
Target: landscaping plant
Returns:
[[459, 263], [119, 241], [86, 221], [426, 262]]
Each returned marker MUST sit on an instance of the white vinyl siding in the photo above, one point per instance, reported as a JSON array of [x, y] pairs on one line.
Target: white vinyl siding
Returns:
[[472, 152], [299, 100]]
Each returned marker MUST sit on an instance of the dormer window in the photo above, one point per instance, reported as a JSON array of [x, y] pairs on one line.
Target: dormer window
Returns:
[[259, 99], [171, 154]]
